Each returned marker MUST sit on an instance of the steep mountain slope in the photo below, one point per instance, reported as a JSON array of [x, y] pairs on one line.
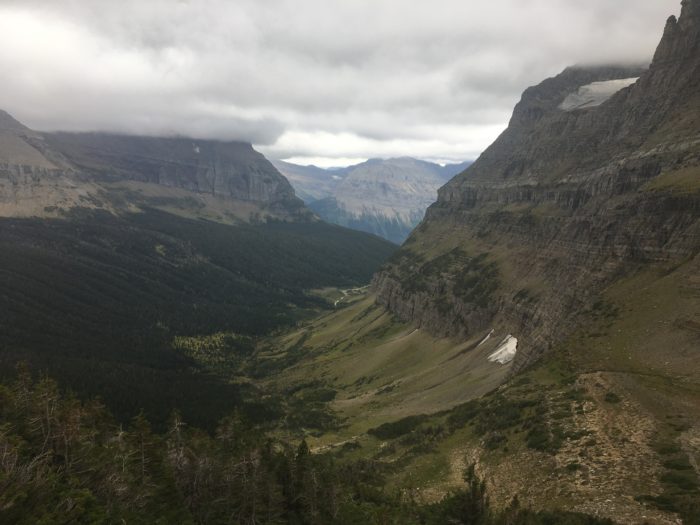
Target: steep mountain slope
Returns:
[[114, 250], [385, 197], [46, 174], [578, 232], [34, 179], [572, 246], [562, 204], [227, 171]]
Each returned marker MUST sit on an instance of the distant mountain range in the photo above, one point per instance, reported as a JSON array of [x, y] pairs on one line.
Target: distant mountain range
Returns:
[[311, 183], [386, 197]]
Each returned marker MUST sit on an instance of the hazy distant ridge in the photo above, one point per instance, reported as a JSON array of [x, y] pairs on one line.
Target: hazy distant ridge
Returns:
[[384, 197]]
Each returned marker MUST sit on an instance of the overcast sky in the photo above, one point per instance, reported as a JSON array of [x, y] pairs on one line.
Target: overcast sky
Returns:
[[323, 81]]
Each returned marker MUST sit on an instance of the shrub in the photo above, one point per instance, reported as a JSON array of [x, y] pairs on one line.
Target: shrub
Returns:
[[398, 428], [612, 397]]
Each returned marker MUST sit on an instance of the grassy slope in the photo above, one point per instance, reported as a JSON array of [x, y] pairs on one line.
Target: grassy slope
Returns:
[[684, 180], [608, 424], [383, 370], [636, 361], [648, 349], [636, 364]]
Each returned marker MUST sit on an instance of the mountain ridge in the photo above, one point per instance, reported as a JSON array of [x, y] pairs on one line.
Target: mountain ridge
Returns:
[[573, 241], [554, 180], [385, 197], [48, 174]]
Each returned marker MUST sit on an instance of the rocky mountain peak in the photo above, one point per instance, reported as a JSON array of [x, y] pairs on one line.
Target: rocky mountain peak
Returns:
[[681, 38], [691, 10]]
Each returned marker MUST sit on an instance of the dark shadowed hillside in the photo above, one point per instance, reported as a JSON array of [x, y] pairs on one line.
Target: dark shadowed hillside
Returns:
[[113, 247]]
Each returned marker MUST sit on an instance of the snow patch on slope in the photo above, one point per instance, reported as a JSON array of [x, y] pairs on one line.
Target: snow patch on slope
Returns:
[[592, 95], [506, 351], [485, 339]]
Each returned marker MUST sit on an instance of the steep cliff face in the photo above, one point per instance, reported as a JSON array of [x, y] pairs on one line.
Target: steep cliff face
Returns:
[[43, 174], [23, 150], [33, 177], [567, 200], [227, 169]]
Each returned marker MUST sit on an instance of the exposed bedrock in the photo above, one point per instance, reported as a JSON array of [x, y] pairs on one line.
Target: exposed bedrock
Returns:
[[563, 204]]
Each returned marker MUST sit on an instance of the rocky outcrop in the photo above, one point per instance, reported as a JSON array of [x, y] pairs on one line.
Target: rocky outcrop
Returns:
[[227, 169], [41, 172], [23, 150], [33, 177], [562, 204]]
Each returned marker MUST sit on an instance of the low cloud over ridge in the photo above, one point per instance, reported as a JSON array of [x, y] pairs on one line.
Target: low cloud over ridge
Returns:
[[308, 79]]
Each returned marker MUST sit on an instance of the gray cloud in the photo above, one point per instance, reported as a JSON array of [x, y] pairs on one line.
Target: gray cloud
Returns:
[[310, 79]]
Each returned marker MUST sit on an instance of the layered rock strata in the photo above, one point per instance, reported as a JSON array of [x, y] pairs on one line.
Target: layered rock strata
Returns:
[[562, 204]]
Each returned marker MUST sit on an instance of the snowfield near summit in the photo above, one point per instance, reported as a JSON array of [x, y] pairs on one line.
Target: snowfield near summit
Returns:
[[592, 95]]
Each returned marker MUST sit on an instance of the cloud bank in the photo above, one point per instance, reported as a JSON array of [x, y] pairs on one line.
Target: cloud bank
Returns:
[[312, 80]]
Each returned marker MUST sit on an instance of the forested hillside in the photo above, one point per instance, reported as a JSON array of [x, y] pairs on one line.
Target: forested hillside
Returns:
[[98, 300]]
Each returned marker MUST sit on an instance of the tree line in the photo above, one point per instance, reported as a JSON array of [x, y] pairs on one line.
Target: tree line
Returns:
[[63, 460]]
